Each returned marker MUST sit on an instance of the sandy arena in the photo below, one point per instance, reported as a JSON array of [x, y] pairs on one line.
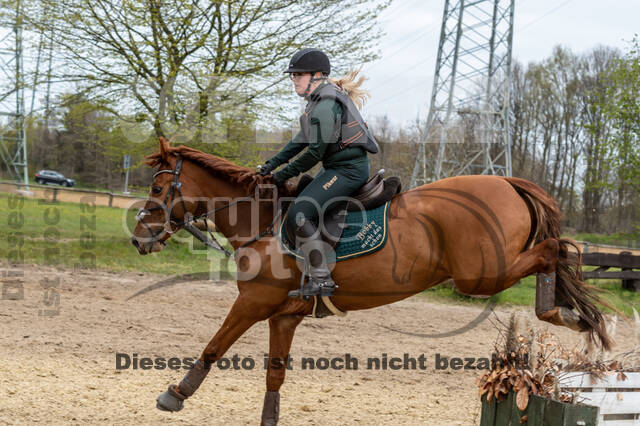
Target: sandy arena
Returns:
[[62, 368]]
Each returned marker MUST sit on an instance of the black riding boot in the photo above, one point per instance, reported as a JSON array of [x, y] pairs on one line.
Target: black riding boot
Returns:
[[311, 246]]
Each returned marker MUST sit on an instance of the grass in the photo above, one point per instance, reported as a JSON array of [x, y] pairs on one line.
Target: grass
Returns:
[[83, 236], [94, 236], [616, 239], [524, 293]]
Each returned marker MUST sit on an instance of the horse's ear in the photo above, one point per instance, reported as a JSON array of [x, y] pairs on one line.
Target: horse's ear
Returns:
[[164, 148], [159, 157]]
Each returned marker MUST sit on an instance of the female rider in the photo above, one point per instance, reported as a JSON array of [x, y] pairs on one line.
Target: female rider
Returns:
[[332, 131]]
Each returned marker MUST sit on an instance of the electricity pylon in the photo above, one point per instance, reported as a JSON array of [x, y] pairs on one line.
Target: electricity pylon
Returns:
[[13, 140], [469, 112]]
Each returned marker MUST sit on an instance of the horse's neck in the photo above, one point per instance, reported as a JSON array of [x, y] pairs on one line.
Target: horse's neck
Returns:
[[242, 220]]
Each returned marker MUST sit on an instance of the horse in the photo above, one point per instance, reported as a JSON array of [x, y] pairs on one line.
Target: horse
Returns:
[[483, 232]]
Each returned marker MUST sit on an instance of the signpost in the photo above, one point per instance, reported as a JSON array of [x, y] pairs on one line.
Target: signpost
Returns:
[[127, 163]]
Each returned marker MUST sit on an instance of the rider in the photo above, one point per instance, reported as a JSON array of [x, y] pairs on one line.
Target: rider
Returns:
[[333, 132]]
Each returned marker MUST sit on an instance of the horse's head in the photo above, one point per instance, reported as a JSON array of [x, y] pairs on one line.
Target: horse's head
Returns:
[[164, 211], [175, 193]]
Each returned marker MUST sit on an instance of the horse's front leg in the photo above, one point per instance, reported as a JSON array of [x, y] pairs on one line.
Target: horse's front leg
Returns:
[[245, 312], [281, 331]]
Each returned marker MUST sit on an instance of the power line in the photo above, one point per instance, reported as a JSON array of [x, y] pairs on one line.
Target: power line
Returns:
[[397, 9], [415, 38], [545, 15], [398, 50], [401, 92], [404, 71]]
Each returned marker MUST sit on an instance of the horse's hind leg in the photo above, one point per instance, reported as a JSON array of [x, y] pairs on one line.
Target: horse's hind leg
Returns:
[[548, 309], [542, 260], [560, 289], [244, 313], [281, 331]]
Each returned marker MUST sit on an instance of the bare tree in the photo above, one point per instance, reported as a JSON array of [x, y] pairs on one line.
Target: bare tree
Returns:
[[184, 61]]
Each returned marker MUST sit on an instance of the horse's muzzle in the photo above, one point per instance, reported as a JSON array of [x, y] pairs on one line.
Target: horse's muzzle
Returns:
[[137, 245], [146, 248]]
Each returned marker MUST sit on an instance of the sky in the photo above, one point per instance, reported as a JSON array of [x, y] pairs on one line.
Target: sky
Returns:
[[400, 81]]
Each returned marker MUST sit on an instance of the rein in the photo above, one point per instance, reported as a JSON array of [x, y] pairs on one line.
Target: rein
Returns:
[[189, 219]]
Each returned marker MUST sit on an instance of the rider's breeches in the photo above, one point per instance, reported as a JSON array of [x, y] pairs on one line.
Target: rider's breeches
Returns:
[[326, 192]]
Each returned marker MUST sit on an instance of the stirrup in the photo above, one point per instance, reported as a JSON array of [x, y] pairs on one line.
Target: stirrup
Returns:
[[314, 288]]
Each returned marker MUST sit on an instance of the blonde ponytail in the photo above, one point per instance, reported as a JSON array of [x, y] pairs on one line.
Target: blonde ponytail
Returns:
[[348, 84]]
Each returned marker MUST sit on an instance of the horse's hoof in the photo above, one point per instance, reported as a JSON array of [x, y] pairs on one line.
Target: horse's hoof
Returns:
[[270, 408], [170, 400], [570, 319]]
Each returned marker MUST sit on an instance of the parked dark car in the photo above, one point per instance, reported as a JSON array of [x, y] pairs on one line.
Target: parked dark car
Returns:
[[44, 177]]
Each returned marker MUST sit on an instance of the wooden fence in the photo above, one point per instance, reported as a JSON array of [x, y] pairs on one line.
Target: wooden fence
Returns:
[[71, 195], [618, 400], [629, 265], [539, 412]]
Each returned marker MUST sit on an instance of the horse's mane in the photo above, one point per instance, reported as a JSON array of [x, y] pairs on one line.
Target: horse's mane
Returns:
[[233, 173]]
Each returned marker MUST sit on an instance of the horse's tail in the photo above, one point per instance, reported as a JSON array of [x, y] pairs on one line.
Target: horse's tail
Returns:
[[571, 290]]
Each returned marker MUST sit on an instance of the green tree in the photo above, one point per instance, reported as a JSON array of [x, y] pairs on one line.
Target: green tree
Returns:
[[181, 62], [622, 107]]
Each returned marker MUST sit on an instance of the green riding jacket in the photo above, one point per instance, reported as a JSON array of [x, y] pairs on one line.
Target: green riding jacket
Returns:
[[324, 116]]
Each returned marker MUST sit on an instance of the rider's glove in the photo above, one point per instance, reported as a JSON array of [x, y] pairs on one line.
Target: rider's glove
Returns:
[[265, 169]]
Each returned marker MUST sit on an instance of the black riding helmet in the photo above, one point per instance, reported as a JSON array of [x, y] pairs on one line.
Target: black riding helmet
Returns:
[[310, 60]]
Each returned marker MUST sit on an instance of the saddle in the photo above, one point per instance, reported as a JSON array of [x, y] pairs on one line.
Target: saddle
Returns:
[[374, 193]]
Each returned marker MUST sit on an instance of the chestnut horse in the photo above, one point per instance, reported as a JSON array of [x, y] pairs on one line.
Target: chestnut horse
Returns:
[[484, 232]]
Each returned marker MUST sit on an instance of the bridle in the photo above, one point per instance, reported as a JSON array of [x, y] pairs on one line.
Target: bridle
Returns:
[[173, 189], [189, 219]]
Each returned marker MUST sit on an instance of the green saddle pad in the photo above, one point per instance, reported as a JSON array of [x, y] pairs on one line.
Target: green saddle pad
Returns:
[[365, 232]]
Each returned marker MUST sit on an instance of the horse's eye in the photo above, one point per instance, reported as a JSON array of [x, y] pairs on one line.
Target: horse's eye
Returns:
[[156, 190]]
